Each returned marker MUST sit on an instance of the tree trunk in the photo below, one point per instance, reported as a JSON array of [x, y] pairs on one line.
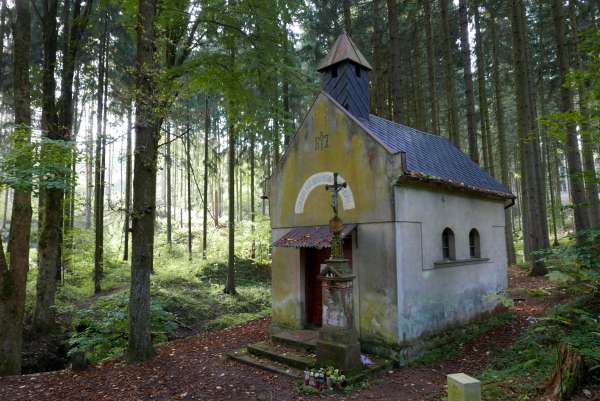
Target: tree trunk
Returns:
[[6, 206], [396, 60], [3, 29], [379, 82], [568, 374], [230, 285], [535, 226], [205, 205], [144, 186], [431, 67], [452, 128], [89, 168], [580, 208], [126, 223], [99, 167], [51, 198], [168, 189], [252, 205], [591, 178], [484, 117], [419, 99], [504, 167], [189, 188], [465, 49], [13, 280], [347, 16]]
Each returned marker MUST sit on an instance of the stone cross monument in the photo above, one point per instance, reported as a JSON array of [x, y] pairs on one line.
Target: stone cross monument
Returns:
[[338, 343]]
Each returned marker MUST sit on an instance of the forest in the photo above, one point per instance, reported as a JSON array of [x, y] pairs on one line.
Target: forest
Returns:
[[138, 138]]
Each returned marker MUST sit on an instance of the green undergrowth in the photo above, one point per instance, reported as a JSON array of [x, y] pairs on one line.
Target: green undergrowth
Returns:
[[522, 371], [519, 372], [450, 343], [187, 296]]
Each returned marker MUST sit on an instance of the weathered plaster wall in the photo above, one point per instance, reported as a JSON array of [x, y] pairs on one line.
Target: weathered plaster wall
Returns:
[[430, 297], [287, 288], [330, 141], [374, 261], [369, 171]]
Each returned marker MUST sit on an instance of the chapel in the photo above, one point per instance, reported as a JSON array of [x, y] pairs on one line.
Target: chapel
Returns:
[[423, 224]]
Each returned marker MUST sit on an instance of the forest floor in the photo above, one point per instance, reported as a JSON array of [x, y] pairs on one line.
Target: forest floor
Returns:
[[196, 367]]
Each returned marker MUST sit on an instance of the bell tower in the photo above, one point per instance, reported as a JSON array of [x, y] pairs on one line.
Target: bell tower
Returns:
[[344, 76]]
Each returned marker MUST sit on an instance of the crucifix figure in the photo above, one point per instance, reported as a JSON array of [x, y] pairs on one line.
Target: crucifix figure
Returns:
[[334, 189], [335, 224]]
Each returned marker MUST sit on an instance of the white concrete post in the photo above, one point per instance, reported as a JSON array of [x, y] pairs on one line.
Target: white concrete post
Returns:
[[462, 387]]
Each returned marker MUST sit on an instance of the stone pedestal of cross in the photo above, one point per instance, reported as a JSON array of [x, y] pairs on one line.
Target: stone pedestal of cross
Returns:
[[338, 344]]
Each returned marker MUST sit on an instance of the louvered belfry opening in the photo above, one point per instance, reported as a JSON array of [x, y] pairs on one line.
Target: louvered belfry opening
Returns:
[[345, 76]]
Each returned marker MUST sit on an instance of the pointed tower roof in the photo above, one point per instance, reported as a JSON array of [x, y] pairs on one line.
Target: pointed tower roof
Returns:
[[344, 49]]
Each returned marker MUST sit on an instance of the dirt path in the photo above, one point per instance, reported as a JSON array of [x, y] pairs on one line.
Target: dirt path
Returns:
[[196, 368]]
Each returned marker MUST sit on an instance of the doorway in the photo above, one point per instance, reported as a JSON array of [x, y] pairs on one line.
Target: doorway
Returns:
[[313, 295]]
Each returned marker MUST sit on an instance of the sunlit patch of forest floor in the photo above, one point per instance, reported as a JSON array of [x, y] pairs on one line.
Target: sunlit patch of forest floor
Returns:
[[503, 350]]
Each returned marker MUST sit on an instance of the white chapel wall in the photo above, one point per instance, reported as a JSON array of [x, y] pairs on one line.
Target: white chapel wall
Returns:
[[430, 296]]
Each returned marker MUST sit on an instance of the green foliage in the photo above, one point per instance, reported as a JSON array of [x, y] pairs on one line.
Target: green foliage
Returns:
[[575, 324], [187, 297], [101, 330], [29, 165], [577, 265]]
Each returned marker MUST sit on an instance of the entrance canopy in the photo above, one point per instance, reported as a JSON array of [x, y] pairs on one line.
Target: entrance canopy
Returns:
[[311, 237]]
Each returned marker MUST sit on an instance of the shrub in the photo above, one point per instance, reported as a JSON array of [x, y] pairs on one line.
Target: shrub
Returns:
[[101, 330]]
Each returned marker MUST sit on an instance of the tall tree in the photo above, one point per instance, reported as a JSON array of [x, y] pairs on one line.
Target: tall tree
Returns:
[[502, 148], [431, 68], [452, 127], [574, 166], [231, 142], [590, 175], [535, 226], [57, 124], [100, 161], [188, 166], [13, 277], [43, 319], [144, 184], [168, 163], [89, 168], [484, 118], [348, 16], [378, 59], [465, 48], [396, 60], [127, 219], [205, 183]]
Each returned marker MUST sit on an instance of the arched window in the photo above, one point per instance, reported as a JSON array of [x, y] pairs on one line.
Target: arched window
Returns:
[[448, 244], [474, 244]]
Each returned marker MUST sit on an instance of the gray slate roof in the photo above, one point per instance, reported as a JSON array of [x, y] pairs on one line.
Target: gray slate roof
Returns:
[[432, 155]]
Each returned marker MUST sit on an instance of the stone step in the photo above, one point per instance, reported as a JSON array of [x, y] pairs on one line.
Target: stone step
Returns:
[[244, 356], [282, 354], [301, 339]]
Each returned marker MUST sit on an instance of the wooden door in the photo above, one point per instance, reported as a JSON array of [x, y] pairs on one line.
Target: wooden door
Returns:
[[313, 260]]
